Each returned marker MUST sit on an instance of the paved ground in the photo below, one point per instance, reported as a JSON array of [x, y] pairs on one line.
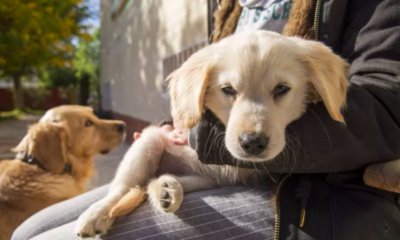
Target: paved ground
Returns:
[[107, 165], [12, 131]]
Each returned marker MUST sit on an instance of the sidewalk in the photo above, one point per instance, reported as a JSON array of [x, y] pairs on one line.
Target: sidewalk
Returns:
[[11, 133], [107, 165]]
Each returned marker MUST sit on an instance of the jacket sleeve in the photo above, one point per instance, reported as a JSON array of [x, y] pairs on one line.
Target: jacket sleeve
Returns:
[[316, 143]]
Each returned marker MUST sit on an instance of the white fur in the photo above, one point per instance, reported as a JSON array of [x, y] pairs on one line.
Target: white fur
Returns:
[[254, 64], [152, 161]]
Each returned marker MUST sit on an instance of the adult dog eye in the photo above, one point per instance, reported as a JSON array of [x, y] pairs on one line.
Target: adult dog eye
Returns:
[[229, 91], [88, 123], [281, 90]]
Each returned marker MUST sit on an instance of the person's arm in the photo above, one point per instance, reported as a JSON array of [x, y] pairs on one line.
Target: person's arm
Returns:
[[316, 143]]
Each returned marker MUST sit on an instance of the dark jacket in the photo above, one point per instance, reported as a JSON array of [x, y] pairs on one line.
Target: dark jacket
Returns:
[[338, 204]]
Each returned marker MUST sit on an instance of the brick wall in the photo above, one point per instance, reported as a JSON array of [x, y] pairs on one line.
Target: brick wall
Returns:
[[6, 100]]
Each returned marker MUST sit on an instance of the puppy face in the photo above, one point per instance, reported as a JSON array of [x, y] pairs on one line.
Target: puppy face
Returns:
[[89, 135], [257, 83]]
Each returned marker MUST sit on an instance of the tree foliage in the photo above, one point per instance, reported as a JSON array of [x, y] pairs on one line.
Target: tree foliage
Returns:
[[83, 73], [86, 60], [34, 33], [59, 77]]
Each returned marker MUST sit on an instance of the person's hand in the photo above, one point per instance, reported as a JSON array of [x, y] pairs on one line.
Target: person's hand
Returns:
[[136, 136], [176, 136]]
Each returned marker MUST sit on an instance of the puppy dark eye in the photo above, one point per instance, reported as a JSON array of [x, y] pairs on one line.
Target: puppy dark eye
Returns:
[[88, 123], [229, 91], [281, 90]]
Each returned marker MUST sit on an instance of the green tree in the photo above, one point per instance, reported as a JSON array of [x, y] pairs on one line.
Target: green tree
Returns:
[[86, 63], [59, 77], [35, 33]]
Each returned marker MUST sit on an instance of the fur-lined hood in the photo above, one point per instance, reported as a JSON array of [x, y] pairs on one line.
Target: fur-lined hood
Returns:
[[300, 22]]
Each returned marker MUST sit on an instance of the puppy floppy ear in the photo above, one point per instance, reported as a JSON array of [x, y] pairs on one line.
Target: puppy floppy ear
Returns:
[[328, 75], [48, 143], [188, 85]]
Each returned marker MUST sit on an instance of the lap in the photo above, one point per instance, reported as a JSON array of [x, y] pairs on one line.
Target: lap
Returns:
[[224, 213], [58, 214]]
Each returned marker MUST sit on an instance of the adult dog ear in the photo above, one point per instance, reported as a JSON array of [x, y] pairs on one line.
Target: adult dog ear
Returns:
[[188, 86], [328, 75], [48, 143], [22, 146]]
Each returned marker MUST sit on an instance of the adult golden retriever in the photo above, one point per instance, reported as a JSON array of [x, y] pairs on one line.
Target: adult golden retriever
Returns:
[[54, 162]]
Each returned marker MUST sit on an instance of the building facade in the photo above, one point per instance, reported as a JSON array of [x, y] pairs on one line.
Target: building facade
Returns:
[[142, 41]]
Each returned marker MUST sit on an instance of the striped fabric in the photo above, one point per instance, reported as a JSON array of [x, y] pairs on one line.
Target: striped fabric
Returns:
[[224, 213]]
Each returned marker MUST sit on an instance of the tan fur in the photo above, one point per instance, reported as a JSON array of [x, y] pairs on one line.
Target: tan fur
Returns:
[[26, 189], [189, 108], [85, 142], [46, 142], [328, 76], [128, 202], [254, 63], [226, 19], [301, 19], [300, 22]]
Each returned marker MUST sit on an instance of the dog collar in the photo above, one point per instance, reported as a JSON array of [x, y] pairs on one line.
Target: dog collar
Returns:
[[32, 160]]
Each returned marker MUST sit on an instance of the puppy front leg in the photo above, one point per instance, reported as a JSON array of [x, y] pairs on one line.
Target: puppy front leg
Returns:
[[166, 192], [196, 183], [139, 164]]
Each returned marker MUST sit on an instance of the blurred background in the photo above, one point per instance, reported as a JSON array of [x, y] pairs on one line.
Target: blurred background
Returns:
[[49, 53], [110, 54]]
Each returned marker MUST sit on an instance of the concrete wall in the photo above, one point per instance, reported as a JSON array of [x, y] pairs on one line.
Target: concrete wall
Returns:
[[133, 47]]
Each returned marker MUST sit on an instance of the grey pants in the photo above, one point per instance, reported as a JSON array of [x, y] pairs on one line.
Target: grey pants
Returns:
[[224, 213]]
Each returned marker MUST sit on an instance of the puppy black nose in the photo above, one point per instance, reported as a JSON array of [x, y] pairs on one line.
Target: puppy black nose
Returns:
[[253, 144], [120, 127]]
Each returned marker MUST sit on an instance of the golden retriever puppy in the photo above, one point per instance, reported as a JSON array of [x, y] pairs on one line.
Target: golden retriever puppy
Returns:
[[256, 83], [54, 162]]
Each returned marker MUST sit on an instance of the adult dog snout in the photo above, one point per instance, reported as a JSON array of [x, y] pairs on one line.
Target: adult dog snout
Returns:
[[253, 143]]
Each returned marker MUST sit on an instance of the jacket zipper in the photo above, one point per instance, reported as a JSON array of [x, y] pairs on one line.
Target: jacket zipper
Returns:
[[317, 15], [278, 209]]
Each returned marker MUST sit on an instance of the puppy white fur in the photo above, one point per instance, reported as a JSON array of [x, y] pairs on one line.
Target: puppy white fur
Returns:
[[168, 170], [256, 83], [257, 65]]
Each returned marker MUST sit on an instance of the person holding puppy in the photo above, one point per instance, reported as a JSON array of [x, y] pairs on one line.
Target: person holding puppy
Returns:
[[325, 196]]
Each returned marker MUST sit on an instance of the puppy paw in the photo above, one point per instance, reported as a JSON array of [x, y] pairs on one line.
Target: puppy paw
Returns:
[[165, 193], [94, 221]]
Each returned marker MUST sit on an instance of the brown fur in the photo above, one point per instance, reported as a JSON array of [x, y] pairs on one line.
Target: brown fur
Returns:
[[128, 202], [226, 19], [61, 137], [301, 19], [300, 22]]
